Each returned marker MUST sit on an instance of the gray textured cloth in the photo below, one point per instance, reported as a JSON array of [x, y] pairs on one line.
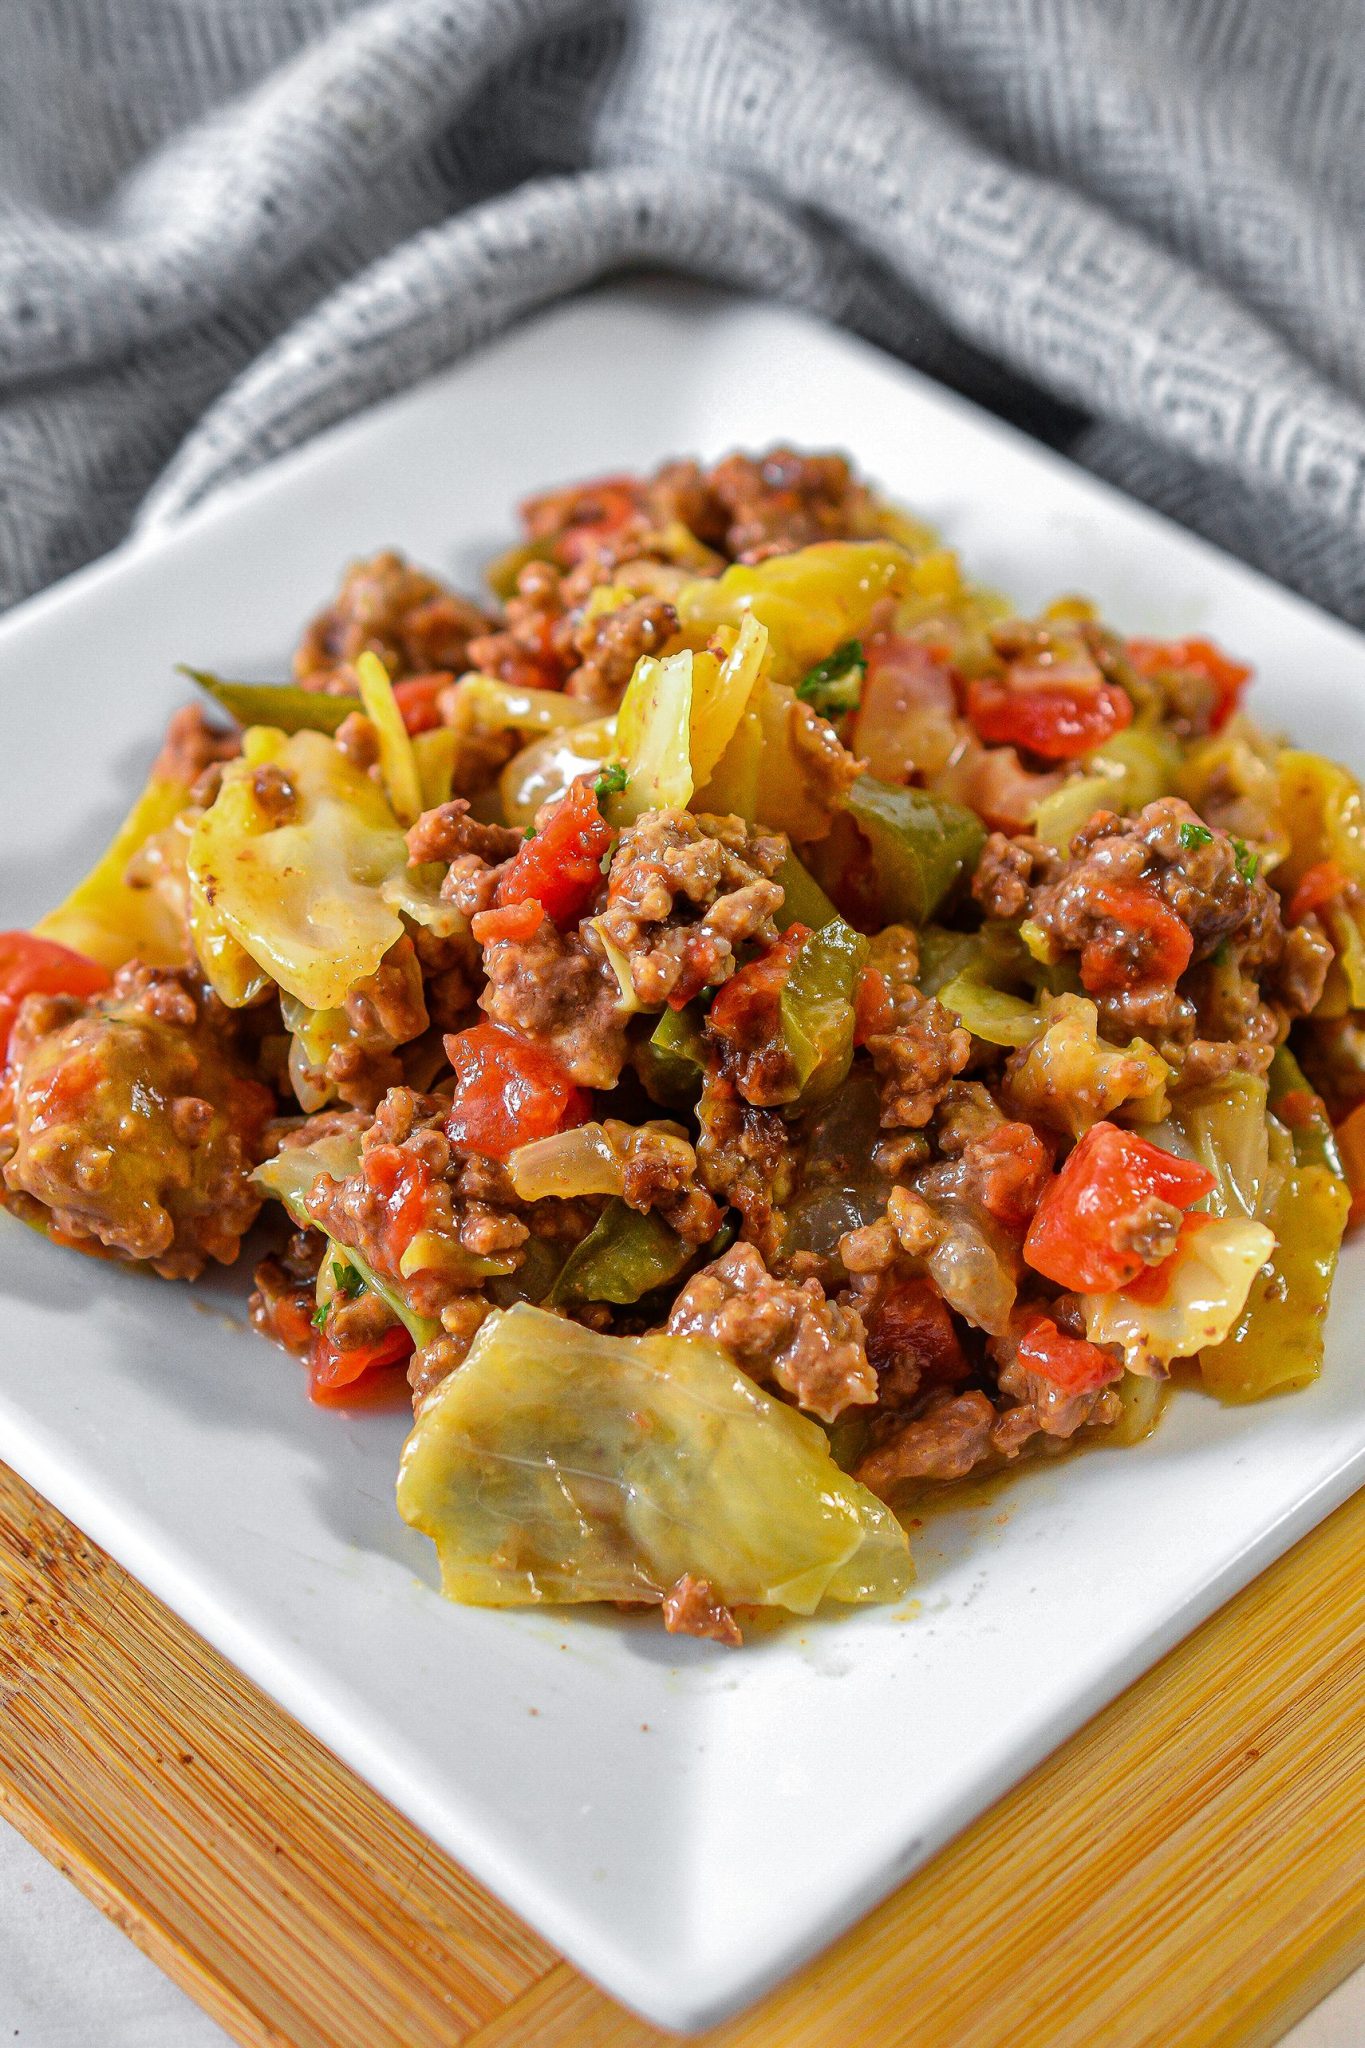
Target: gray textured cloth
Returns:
[[1137, 225]]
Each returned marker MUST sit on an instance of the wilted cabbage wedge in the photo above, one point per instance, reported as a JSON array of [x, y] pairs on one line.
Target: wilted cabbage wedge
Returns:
[[301, 898], [559, 1465]]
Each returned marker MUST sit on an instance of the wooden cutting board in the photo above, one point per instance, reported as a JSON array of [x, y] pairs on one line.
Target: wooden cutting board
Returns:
[[1189, 1869]]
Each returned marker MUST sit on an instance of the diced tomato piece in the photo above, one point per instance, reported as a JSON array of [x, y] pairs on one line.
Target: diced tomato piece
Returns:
[[416, 700], [517, 921], [872, 1011], [331, 1368], [746, 1010], [1058, 722], [1148, 942], [1318, 886], [561, 868], [1152, 1284], [1070, 1364], [1351, 1145], [1229, 678], [406, 1187], [508, 1091], [31, 966], [1110, 1174]]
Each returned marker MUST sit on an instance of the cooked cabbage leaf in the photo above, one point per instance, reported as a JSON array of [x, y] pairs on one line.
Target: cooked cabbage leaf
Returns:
[[652, 733], [301, 898], [107, 919], [811, 601], [397, 762], [1210, 1281], [559, 1465]]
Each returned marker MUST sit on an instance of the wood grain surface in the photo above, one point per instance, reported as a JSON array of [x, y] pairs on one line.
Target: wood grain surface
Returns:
[[1188, 1871]]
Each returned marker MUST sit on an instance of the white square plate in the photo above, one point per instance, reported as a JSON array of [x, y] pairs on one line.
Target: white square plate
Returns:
[[686, 1823]]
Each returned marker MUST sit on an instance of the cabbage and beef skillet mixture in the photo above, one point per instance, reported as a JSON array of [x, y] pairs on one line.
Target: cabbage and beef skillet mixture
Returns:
[[748, 1026]]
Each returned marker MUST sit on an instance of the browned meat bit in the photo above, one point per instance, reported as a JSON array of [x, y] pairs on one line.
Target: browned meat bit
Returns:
[[779, 1332], [534, 649], [912, 1341], [556, 988], [916, 1047], [659, 1171], [826, 768], [578, 522], [780, 501], [386, 607], [385, 1010], [357, 737], [1007, 871], [988, 1162], [1144, 899], [284, 1299], [609, 644], [692, 1609], [435, 1362], [950, 1436], [747, 1158], [451, 976], [192, 745], [133, 1125], [684, 893], [471, 851]]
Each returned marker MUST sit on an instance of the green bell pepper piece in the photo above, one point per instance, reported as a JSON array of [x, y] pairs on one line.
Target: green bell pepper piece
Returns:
[[625, 1255], [988, 1013], [803, 900], [1276, 1342], [922, 845], [283, 705], [671, 1062], [817, 1008]]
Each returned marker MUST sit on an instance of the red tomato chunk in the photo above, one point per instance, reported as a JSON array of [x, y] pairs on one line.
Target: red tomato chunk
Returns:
[[31, 966], [331, 1368], [416, 700], [561, 868], [747, 1011], [1058, 722], [1147, 942], [507, 1092], [1068, 1363], [1073, 1238]]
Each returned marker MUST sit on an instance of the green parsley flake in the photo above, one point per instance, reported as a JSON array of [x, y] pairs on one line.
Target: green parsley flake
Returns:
[[348, 1281], [529, 833], [1247, 862], [835, 684], [1195, 835], [320, 1315], [611, 781]]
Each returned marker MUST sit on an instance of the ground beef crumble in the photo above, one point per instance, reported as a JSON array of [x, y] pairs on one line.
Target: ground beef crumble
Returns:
[[561, 990], [691, 1609], [1232, 982], [748, 1159], [684, 894], [789, 1335], [917, 1049], [387, 607], [133, 1122]]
